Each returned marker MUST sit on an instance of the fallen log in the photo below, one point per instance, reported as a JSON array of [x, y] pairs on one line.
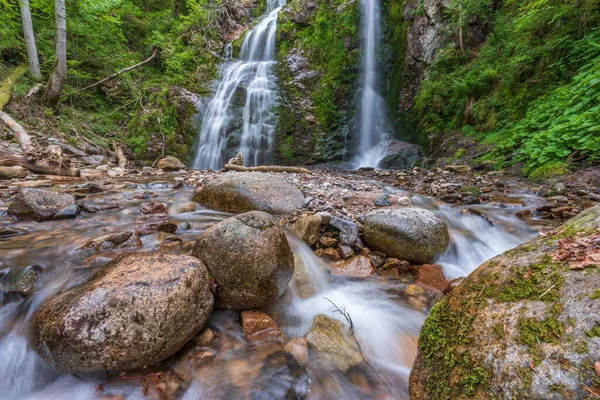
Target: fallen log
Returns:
[[7, 84], [9, 158], [21, 135], [266, 168]]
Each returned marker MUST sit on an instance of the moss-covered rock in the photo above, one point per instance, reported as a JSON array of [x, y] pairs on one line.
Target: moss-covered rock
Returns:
[[515, 328]]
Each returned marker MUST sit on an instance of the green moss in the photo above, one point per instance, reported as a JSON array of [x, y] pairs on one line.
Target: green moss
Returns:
[[473, 190], [460, 153], [546, 172], [595, 331], [444, 340], [540, 281], [595, 294]]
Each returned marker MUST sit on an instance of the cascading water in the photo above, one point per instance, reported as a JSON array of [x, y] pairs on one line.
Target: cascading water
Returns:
[[250, 76], [372, 116]]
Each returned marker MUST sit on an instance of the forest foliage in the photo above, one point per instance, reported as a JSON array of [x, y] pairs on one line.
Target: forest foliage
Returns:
[[532, 89]]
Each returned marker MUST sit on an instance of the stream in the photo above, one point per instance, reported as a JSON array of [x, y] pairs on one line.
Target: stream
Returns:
[[385, 323]]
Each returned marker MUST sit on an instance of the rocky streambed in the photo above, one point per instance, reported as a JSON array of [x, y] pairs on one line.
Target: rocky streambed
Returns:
[[199, 284]]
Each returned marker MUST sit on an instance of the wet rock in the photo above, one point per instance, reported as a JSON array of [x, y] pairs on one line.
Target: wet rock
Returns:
[[528, 324], [327, 241], [346, 251], [348, 230], [307, 228], [258, 326], [280, 377], [354, 267], [204, 338], [250, 259], [411, 234], [330, 340], [16, 283], [400, 155], [153, 208], [470, 200], [431, 277], [404, 201], [451, 198], [376, 259], [95, 261], [170, 163], [153, 227], [298, 347], [247, 191], [112, 241], [13, 172], [42, 205], [383, 200], [400, 265], [329, 253], [184, 207], [12, 231], [137, 311]]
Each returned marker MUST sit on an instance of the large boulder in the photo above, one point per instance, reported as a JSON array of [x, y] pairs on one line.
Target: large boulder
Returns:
[[400, 155], [170, 163], [237, 192], [250, 259], [42, 205], [524, 325], [137, 311], [411, 234]]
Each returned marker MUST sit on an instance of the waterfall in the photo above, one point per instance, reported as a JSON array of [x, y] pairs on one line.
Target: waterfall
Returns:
[[372, 115], [250, 75]]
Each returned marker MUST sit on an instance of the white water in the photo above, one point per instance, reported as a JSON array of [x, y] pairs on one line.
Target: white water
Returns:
[[250, 76], [372, 115]]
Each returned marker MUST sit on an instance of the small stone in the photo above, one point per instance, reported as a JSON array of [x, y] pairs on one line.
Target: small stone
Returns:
[[329, 253], [307, 228], [462, 169], [153, 208], [383, 201], [348, 230], [327, 241], [354, 267], [258, 326], [330, 341], [346, 251], [395, 263], [204, 338], [431, 276], [170, 163], [112, 241], [404, 201], [376, 259]]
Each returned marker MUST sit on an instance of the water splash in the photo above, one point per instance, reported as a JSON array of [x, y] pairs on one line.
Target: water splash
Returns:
[[372, 117], [252, 77]]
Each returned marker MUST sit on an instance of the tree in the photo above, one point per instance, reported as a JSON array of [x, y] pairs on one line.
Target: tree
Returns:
[[59, 75], [32, 56]]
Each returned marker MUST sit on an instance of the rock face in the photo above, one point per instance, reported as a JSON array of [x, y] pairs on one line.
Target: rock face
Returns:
[[250, 259], [42, 205], [170, 163], [400, 155], [411, 234], [137, 311], [529, 308], [330, 340], [13, 172], [248, 191]]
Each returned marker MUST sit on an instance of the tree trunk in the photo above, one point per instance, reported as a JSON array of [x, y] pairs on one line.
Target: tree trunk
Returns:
[[21, 135], [9, 158], [59, 76], [32, 56]]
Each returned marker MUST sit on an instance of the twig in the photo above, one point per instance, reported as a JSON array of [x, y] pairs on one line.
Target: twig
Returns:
[[587, 389], [550, 288], [484, 286]]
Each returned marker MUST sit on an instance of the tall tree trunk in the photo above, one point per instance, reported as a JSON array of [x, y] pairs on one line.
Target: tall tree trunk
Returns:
[[32, 56], [59, 76]]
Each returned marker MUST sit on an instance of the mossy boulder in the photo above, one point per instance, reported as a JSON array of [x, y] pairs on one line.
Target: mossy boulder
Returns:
[[249, 258], [237, 192], [137, 311], [521, 326], [411, 234]]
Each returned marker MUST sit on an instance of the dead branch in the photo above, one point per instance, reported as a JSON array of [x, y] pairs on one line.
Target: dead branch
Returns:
[[266, 168], [29, 148], [9, 158], [146, 61]]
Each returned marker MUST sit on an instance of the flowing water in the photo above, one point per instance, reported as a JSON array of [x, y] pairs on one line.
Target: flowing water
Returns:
[[372, 116], [250, 78], [386, 324]]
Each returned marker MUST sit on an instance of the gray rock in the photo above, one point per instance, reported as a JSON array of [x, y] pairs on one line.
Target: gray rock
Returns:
[[400, 155], [95, 159], [170, 163], [247, 191], [137, 311], [250, 259], [348, 230], [42, 205], [383, 200], [412, 234], [16, 283]]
